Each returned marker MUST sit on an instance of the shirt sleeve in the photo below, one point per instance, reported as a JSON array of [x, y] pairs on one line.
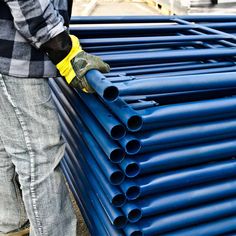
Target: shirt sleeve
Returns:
[[36, 20]]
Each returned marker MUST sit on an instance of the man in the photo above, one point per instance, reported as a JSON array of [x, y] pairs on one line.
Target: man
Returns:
[[32, 186]]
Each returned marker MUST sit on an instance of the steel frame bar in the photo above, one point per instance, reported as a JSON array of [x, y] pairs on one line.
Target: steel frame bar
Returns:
[[159, 183], [81, 181], [81, 171], [175, 84], [109, 169], [81, 198], [85, 205], [109, 146], [186, 135], [115, 196], [157, 162], [225, 226], [161, 224], [173, 201]]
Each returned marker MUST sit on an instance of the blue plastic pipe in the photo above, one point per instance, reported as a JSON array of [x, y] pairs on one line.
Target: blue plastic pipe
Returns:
[[186, 135], [82, 183], [161, 39], [170, 202], [181, 113], [167, 56], [159, 183], [129, 117], [178, 84], [80, 170], [225, 226], [158, 225], [102, 86], [94, 49], [112, 126], [93, 222], [110, 170], [115, 196], [175, 158], [149, 70], [111, 149]]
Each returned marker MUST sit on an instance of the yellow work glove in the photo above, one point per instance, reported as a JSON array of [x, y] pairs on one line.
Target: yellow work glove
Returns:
[[72, 62]]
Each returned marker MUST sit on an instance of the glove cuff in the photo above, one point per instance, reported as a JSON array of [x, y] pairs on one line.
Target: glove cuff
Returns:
[[65, 66]]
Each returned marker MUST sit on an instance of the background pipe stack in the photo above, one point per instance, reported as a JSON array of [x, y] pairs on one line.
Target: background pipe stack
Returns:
[[152, 151]]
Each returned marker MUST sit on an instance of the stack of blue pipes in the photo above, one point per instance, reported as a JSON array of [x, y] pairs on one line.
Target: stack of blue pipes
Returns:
[[152, 151]]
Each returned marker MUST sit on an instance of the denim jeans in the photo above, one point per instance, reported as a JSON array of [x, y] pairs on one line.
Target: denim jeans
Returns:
[[30, 151]]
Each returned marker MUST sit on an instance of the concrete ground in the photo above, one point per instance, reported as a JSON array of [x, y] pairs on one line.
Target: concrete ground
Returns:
[[111, 8]]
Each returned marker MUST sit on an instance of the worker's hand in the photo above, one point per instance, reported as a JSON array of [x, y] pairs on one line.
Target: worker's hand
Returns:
[[72, 62]]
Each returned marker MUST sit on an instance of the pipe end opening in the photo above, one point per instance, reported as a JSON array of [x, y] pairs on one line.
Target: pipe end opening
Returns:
[[133, 146], [118, 132], [117, 178], [133, 192], [111, 93], [117, 155], [136, 233], [134, 123], [132, 170], [134, 215], [119, 200], [120, 222]]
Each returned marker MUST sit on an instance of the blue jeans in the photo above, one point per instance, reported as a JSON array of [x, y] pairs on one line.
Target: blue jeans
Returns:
[[30, 151]]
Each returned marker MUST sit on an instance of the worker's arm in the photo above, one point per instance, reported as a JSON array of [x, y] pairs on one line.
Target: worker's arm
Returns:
[[72, 62], [42, 26]]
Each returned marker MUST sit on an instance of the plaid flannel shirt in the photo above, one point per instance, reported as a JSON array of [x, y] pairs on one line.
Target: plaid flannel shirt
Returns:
[[24, 26]]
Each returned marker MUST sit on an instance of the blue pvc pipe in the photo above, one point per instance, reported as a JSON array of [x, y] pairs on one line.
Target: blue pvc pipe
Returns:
[[188, 112], [158, 225], [153, 39], [140, 46], [113, 127], [178, 84], [142, 71], [183, 97], [130, 189], [167, 56], [190, 72], [111, 149], [130, 144], [102, 86], [110, 170], [129, 117], [178, 158], [82, 183], [93, 222], [158, 183], [111, 31], [81, 171], [225, 226], [186, 135], [115, 196], [170, 202]]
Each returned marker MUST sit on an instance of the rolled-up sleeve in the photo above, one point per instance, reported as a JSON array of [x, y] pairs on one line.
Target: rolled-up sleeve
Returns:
[[36, 20]]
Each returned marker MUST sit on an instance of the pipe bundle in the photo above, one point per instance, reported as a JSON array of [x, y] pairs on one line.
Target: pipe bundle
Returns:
[[152, 151]]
